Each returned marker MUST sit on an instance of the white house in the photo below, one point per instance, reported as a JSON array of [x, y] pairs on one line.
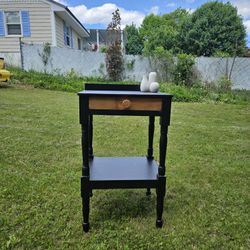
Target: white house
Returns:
[[38, 22]]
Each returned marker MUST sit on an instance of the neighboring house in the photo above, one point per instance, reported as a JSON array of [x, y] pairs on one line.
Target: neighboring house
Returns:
[[100, 38], [247, 52], [39, 22]]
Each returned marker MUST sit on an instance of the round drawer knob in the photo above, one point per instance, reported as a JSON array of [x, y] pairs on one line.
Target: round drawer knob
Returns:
[[126, 103]]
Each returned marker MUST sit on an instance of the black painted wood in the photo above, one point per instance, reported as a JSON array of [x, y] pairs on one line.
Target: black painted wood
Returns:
[[128, 184], [85, 145], [161, 187], [85, 193], [120, 87], [122, 172], [122, 93], [91, 155], [160, 191], [122, 169], [85, 187], [126, 112], [151, 128]]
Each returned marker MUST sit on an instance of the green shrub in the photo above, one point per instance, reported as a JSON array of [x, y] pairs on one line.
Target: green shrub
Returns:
[[224, 84], [203, 94], [130, 64], [74, 83], [103, 49], [183, 73], [162, 62], [222, 54]]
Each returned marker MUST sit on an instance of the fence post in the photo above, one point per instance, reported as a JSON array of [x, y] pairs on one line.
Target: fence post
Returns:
[[21, 52]]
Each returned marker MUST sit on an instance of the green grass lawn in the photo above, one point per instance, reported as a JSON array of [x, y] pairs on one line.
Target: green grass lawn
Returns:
[[208, 179]]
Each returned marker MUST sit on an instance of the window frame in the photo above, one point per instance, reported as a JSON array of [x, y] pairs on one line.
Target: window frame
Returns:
[[6, 24], [79, 43], [67, 36]]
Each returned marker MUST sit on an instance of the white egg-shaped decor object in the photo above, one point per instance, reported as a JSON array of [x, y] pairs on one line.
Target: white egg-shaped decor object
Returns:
[[152, 77], [154, 87], [144, 87]]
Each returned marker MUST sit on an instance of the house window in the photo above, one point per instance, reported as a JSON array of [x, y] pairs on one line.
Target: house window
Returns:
[[79, 43], [13, 23], [67, 36]]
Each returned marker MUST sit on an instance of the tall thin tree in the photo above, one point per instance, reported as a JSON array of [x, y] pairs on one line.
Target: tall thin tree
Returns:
[[114, 58]]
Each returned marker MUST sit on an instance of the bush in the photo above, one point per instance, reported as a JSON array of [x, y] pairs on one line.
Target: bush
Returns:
[[183, 73], [200, 93], [162, 62], [73, 83], [224, 84], [103, 49]]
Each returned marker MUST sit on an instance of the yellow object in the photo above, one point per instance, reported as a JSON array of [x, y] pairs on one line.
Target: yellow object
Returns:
[[1, 63], [4, 74]]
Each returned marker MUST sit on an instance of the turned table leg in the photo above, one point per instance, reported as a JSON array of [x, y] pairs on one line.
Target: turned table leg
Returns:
[[161, 187], [85, 203], [91, 154], [151, 128], [85, 184], [160, 191], [91, 137]]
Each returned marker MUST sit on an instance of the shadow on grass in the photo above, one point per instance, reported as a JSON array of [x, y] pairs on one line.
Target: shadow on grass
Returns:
[[117, 204]]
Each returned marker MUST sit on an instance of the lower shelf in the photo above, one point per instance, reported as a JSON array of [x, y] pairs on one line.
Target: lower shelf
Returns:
[[123, 172]]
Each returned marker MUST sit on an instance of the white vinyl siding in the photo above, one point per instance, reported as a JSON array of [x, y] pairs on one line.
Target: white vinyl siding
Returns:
[[75, 40], [40, 23], [59, 32]]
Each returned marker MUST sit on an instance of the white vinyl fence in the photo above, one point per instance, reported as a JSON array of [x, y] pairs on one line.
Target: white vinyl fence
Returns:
[[92, 64], [13, 59]]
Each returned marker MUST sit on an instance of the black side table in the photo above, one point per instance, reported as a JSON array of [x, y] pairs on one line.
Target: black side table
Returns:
[[123, 172]]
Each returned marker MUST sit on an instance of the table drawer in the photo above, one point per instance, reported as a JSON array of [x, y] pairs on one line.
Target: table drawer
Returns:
[[125, 103]]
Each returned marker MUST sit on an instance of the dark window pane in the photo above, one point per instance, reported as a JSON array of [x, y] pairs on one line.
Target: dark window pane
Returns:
[[14, 29], [68, 41], [79, 44]]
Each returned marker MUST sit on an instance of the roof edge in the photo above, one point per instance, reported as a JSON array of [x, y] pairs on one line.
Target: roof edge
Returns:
[[57, 3], [71, 14], [76, 19]]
